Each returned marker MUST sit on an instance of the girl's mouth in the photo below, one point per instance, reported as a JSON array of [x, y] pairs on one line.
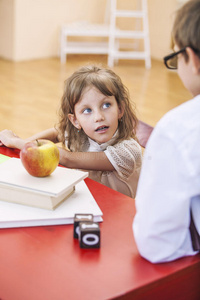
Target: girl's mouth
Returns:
[[102, 128]]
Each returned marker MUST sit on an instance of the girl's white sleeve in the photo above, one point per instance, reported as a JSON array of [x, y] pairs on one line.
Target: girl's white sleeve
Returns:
[[125, 157]]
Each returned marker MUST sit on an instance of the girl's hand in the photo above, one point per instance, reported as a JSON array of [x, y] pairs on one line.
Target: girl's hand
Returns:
[[10, 139]]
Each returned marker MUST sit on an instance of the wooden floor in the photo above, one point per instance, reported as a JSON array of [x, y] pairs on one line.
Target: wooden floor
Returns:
[[30, 91]]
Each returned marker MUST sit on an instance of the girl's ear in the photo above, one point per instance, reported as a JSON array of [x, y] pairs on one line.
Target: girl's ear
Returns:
[[121, 110], [74, 121], [194, 60]]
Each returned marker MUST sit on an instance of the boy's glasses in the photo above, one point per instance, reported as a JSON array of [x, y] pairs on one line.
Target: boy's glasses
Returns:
[[171, 60]]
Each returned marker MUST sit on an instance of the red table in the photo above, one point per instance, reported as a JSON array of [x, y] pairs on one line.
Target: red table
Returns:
[[46, 263]]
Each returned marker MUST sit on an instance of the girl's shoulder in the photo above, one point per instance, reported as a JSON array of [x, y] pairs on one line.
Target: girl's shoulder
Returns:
[[129, 142], [125, 155], [129, 146]]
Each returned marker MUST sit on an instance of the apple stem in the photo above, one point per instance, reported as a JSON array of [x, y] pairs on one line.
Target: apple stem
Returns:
[[38, 143]]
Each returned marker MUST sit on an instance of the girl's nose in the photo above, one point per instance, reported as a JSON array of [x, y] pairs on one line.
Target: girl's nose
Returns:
[[98, 116]]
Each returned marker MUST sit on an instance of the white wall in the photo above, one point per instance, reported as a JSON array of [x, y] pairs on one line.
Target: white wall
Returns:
[[29, 29], [160, 22], [6, 28]]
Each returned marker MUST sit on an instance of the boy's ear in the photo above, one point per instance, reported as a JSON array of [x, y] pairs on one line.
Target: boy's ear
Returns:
[[194, 60], [74, 121]]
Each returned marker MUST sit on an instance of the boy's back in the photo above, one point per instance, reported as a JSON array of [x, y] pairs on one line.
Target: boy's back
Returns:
[[169, 185]]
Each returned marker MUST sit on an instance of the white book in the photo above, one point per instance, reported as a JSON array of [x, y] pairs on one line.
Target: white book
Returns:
[[18, 186], [15, 215]]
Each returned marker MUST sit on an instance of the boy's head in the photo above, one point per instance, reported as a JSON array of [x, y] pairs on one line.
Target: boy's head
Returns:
[[186, 38], [186, 28]]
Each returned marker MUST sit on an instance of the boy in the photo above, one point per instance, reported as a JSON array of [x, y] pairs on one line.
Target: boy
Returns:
[[169, 185]]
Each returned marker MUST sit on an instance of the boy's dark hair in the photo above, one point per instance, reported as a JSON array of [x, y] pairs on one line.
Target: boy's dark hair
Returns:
[[186, 28]]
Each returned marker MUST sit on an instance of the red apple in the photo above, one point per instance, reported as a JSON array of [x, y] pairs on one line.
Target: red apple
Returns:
[[40, 158]]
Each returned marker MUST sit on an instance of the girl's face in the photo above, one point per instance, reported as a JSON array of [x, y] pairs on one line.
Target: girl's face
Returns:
[[97, 115]]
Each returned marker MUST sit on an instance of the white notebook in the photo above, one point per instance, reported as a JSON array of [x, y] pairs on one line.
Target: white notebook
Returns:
[[13, 176], [18, 186], [13, 173], [81, 201]]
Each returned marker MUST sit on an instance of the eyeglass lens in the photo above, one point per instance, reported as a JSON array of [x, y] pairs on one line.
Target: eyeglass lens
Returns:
[[172, 62]]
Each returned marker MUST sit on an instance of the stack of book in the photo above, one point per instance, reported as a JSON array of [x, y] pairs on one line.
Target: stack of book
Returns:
[[43, 201]]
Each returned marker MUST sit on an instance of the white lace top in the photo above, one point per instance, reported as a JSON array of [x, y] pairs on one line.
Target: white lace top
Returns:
[[126, 158]]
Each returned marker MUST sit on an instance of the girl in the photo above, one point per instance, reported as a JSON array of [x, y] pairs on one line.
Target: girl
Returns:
[[97, 125]]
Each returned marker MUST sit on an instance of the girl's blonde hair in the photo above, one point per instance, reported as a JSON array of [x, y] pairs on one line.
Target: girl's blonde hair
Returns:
[[109, 84]]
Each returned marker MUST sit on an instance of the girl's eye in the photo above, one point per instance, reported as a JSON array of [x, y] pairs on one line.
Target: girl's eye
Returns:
[[106, 105], [87, 111]]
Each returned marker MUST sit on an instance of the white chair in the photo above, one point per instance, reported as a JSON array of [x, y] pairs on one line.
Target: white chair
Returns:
[[108, 35], [84, 32], [83, 29]]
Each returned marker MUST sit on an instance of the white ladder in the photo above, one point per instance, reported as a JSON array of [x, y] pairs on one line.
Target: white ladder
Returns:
[[115, 34], [108, 35]]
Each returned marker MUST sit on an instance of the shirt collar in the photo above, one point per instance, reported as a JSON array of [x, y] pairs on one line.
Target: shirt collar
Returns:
[[94, 146]]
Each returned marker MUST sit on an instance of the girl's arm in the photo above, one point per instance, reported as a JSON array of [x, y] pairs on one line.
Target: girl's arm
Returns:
[[10, 139], [97, 161], [48, 134]]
